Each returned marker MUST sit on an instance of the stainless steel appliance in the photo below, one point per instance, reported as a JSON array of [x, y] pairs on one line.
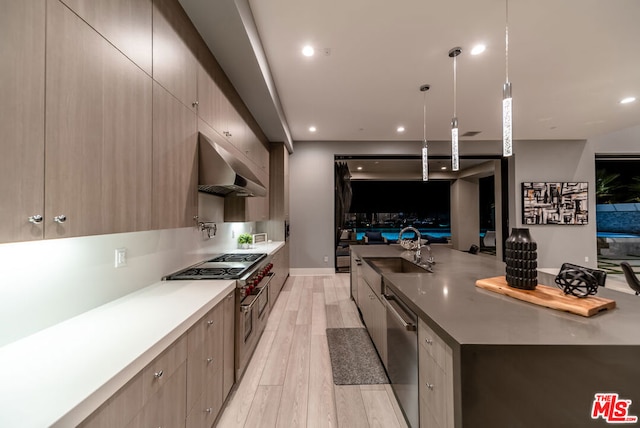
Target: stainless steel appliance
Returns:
[[402, 356], [252, 272]]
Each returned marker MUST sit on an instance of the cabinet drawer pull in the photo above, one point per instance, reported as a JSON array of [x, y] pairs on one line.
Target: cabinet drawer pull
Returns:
[[158, 374], [60, 218], [210, 322], [430, 386], [35, 219], [210, 359], [209, 410], [429, 341], [195, 104]]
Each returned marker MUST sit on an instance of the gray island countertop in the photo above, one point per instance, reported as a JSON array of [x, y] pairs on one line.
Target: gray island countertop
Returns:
[[449, 302]]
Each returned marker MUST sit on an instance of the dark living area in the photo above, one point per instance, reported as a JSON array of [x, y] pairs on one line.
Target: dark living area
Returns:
[[380, 209]]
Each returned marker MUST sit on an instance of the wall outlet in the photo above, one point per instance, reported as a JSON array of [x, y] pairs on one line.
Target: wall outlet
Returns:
[[121, 257], [586, 259], [326, 259], [233, 234]]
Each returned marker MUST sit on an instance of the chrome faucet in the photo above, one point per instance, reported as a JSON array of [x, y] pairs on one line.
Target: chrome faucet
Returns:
[[417, 256]]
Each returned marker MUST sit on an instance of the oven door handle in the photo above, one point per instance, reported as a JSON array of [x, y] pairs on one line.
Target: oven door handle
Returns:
[[247, 308]]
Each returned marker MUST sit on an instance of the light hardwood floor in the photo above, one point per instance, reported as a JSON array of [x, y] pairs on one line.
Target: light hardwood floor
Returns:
[[288, 382]]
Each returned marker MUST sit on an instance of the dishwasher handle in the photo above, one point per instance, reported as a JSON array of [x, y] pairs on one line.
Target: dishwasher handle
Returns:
[[391, 306]]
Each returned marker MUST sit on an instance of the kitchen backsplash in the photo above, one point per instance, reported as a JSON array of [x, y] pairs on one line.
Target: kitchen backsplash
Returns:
[[49, 281]]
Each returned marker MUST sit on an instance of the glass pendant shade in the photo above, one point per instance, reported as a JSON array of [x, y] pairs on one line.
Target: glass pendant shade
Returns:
[[507, 121], [425, 148], [507, 141], [455, 158], [425, 161]]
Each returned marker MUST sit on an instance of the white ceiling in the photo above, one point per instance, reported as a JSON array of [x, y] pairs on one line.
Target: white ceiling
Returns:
[[570, 63]]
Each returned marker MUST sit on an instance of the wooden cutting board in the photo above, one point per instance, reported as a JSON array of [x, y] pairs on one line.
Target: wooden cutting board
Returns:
[[550, 297]]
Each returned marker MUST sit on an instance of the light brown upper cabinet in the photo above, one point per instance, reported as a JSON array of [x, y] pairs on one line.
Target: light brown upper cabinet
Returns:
[[279, 182], [175, 162], [22, 45], [125, 23], [98, 133], [217, 101], [175, 65]]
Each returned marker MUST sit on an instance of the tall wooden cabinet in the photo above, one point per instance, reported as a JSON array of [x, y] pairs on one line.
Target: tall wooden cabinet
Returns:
[[175, 41], [98, 133], [124, 23], [175, 162], [22, 47]]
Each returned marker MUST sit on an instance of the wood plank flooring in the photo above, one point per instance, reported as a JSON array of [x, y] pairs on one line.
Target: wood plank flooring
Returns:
[[288, 382]]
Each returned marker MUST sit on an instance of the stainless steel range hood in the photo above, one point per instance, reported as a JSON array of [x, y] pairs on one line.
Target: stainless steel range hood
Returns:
[[221, 173]]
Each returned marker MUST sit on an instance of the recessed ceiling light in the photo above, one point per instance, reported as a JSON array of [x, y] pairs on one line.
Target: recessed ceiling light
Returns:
[[627, 100], [478, 49], [308, 50], [400, 128], [443, 167], [312, 129], [359, 168]]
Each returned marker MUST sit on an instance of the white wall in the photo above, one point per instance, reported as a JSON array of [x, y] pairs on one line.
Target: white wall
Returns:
[[465, 209], [48, 281], [625, 141], [552, 161]]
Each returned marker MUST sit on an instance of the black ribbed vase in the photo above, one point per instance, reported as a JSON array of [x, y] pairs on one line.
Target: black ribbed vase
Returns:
[[521, 258]]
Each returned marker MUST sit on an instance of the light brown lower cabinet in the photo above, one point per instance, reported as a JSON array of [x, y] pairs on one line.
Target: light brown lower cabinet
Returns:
[[185, 386], [166, 407], [374, 314], [436, 379]]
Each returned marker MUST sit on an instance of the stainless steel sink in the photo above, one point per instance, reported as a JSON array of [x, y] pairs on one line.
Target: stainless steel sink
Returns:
[[395, 265]]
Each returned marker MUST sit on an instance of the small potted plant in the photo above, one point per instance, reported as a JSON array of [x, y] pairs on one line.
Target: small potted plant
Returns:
[[244, 240]]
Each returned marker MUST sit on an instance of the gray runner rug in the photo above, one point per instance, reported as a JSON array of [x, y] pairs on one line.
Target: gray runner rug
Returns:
[[354, 360]]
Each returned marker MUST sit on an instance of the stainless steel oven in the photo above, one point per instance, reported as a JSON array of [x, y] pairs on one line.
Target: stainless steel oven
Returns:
[[252, 272], [252, 315]]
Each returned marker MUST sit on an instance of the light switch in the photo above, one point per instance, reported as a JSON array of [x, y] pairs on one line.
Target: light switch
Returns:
[[121, 257]]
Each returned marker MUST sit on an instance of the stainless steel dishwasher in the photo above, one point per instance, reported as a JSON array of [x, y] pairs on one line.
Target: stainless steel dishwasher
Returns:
[[402, 356]]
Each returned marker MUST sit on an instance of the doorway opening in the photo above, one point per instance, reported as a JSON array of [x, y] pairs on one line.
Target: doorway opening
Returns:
[[387, 193], [618, 212]]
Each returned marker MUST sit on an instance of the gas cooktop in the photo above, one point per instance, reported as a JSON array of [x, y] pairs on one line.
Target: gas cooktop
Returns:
[[225, 266]]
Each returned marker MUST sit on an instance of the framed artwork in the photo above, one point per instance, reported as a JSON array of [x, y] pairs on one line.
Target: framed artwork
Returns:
[[555, 203]]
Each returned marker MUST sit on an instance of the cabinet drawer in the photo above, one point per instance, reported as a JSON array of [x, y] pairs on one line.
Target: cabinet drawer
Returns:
[[160, 370], [433, 344], [205, 356], [167, 406], [208, 405], [205, 329], [433, 388]]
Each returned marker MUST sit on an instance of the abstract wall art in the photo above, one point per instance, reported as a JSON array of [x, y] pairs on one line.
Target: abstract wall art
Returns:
[[555, 203]]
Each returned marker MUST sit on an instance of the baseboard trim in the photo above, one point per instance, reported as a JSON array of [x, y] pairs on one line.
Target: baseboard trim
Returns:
[[312, 271]]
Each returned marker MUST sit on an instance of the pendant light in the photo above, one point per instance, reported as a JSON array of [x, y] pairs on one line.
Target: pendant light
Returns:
[[507, 140], [425, 148], [455, 160]]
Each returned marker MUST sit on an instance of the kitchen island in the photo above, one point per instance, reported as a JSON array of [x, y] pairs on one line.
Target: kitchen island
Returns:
[[515, 364]]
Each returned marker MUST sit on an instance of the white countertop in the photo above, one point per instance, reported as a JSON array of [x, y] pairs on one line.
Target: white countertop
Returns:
[[60, 375]]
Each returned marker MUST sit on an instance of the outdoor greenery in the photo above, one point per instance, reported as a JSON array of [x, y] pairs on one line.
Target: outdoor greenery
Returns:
[[606, 186], [611, 189]]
